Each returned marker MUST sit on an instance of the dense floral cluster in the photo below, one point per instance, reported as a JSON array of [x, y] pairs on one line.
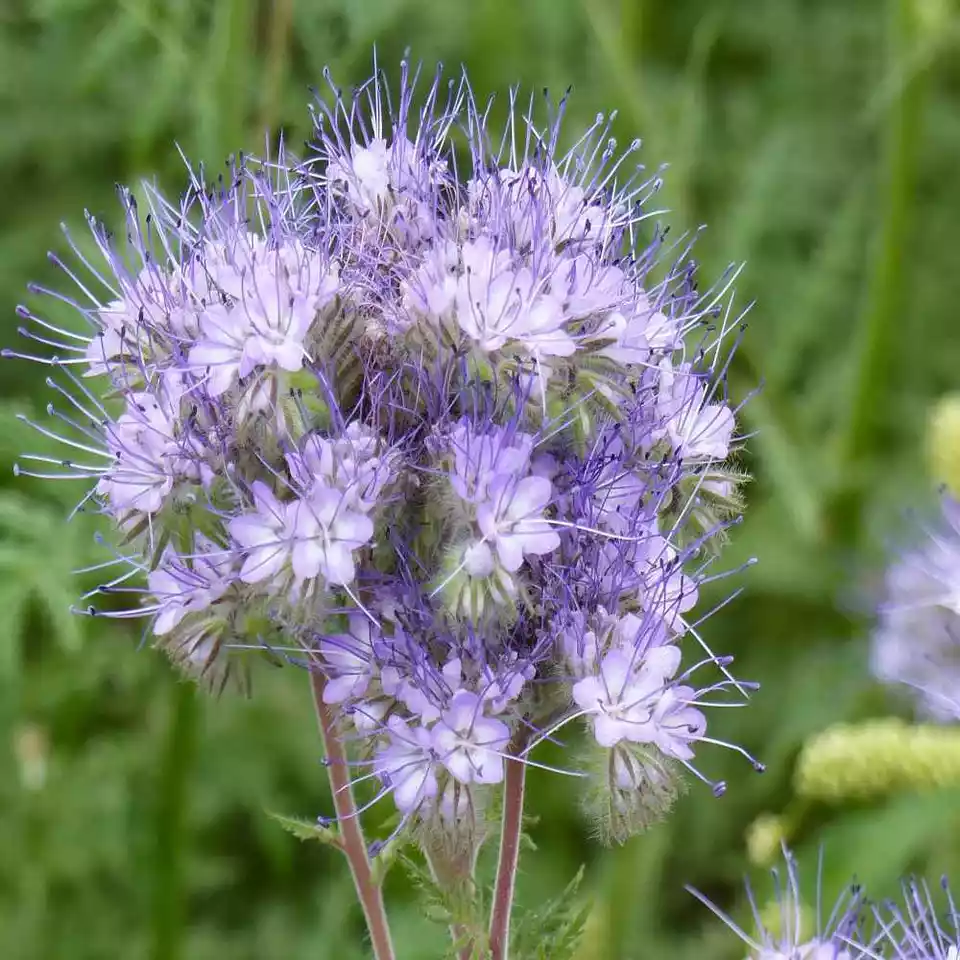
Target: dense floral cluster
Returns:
[[917, 639], [427, 415], [915, 927], [785, 931]]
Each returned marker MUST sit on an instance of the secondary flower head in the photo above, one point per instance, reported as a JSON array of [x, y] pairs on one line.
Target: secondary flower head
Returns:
[[433, 413], [916, 642], [786, 933]]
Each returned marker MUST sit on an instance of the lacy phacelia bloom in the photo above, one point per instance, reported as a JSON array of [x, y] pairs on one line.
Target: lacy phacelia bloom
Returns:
[[470, 745], [188, 585], [313, 536], [625, 692], [266, 302], [142, 476], [432, 429], [916, 642], [349, 661], [694, 426], [406, 762], [837, 937]]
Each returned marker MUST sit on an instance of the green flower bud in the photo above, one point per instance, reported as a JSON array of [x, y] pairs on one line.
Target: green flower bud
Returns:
[[472, 596], [633, 786]]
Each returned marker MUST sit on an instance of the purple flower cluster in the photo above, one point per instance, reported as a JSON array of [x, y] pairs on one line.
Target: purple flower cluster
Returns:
[[427, 414], [917, 639], [788, 933], [913, 928]]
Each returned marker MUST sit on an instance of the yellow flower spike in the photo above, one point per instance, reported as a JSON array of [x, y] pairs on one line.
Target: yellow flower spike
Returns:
[[875, 758], [943, 442]]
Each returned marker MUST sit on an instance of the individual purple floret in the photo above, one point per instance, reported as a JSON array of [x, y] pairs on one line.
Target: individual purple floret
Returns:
[[436, 414], [916, 642], [188, 585], [406, 763], [309, 537]]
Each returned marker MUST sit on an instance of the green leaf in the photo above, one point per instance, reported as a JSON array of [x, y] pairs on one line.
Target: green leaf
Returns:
[[554, 931], [304, 829]]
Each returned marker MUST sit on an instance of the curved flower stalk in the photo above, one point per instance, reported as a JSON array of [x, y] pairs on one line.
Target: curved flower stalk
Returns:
[[439, 424]]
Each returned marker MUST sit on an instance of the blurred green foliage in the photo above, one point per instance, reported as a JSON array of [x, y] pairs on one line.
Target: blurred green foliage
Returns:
[[820, 142]]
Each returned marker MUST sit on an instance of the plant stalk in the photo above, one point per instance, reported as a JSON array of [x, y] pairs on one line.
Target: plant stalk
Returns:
[[510, 836], [446, 872], [863, 434], [352, 842]]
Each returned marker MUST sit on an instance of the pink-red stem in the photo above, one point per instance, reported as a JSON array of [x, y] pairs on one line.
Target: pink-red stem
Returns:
[[510, 836], [351, 834]]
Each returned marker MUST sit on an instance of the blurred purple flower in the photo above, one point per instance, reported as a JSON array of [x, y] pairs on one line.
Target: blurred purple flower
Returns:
[[916, 642]]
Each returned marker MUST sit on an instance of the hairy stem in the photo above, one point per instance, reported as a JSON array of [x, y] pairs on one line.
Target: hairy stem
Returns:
[[352, 842], [446, 873], [513, 788]]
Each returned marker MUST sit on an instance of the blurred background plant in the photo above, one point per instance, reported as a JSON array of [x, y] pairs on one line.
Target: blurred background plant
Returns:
[[820, 142]]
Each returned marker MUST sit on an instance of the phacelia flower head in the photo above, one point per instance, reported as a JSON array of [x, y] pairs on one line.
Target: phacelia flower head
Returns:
[[787, 932], [434, 413], [916, 642]]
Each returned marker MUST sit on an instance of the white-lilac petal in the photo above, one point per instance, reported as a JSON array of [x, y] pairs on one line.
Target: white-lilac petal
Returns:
[[407, 764], [469, 744]]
